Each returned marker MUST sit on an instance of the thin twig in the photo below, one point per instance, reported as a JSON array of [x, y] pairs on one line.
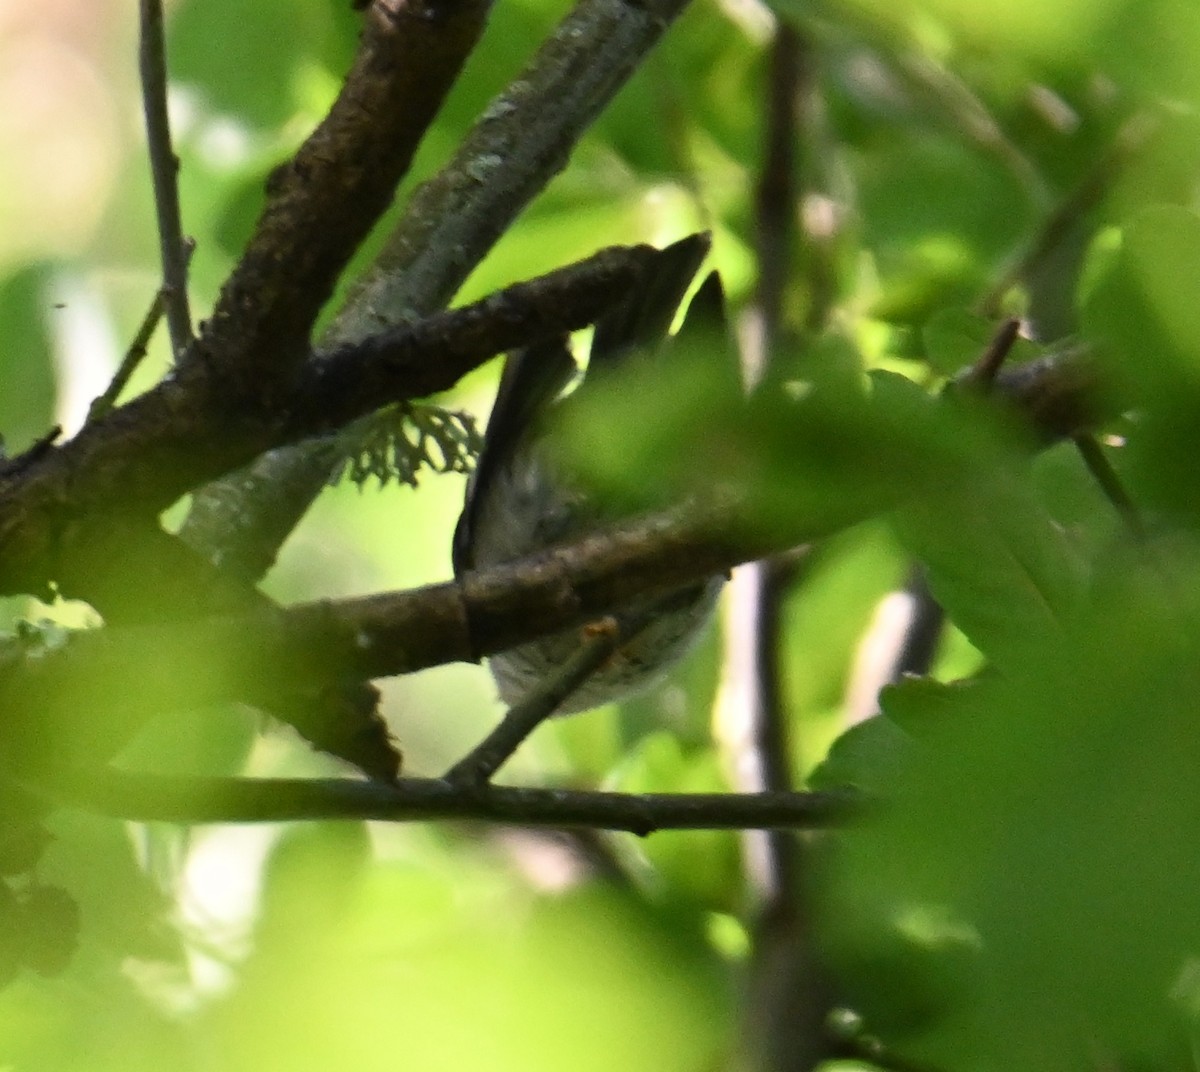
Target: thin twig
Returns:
[[982, 374], [164, 169], [1057, 223], [137, 351], [157, 798], [1110, 483], [523, 718]]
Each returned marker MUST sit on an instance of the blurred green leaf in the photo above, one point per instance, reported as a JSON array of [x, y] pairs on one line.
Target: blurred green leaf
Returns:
[[920, 705], [1141, 312], [1054, 817], [825, 616], [698, 867], [866, 756], [248, 71], [26, 361], [123, 911], [809, 458], [995, 560], [441, 972], [211, 740]]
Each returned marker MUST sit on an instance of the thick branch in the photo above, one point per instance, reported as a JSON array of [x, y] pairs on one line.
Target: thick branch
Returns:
[[58, 507], [209, 418], [322, 203], [521, 141], [150, 798], [431, 355], [77, 699]]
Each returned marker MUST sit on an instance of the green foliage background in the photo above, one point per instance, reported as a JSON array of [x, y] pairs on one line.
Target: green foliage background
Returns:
[[1028, 897]]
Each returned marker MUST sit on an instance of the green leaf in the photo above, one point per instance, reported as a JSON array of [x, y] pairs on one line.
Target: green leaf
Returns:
[[26, 361], [701, 867], [528, 977], [246, 60], [1005, 572], [868, 756], [1141, 312], [920, 705], [1054, 818]]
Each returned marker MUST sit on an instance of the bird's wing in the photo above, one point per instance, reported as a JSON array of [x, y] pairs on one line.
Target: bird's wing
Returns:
[[532, 378]]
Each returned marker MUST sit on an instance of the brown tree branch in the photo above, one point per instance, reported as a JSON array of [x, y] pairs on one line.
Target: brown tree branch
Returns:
[[521, 141], [152, 798], [483, 761], [523, 138], [785, 1007], [417, 360], [77, 699], [164, 168], [58, 508], [209, 418], [322, 203]]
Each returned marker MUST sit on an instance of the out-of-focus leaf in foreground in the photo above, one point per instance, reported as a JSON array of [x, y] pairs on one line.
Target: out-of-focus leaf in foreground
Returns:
[[427, 971], [806, 457], [1140, 309], [1032, 875]]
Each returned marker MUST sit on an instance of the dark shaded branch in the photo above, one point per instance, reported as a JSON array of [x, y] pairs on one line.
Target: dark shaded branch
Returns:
[[322, 203], [983, 372], [210, 417], [784, 1009], [1057, 395], [122, 470], [522, 140], [452, 221], [164, 169], [78, 699], [151, 798], [74, 698], [777, 240], [281, 485], [777, 190], [431, 355], [1110, 483]]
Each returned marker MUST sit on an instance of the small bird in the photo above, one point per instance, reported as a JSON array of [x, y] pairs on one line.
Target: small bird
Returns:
[[519, 499]]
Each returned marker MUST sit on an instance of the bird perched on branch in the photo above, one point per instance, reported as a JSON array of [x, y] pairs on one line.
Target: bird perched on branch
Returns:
[[520, 499]]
